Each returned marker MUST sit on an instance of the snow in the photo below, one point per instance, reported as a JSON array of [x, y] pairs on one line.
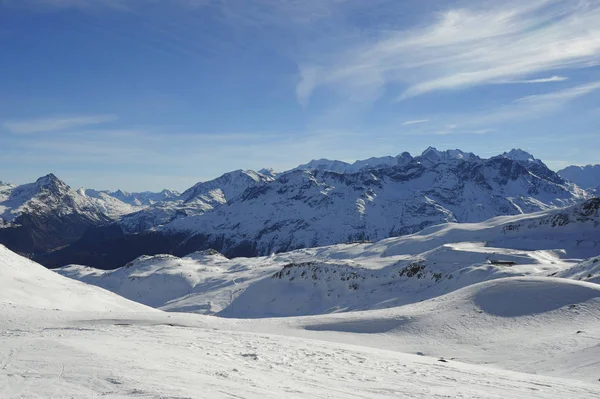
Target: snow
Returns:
[[195, 201], [427, 315], [307, 208], [588, 270], [431, 154], [456, 345], [537, 325], [64, 354], [107, 204], [26, 283], [361, 276], [520, 155], [47, 194]]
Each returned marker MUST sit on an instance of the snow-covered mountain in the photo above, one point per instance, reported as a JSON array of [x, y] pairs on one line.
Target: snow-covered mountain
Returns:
[[392, 272], [430, 154], [111, 206], [119, 203], [220, 190], [345, 167], [144, 198], [246, 213], [196, 200], [587, 176], [306, 208], [45, 215]]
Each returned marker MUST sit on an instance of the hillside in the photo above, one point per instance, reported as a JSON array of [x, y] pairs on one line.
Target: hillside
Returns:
[[359, 276], [508, 338], [24, 283]]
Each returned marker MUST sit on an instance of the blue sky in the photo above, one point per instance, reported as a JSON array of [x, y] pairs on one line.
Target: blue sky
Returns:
[[148, 94]]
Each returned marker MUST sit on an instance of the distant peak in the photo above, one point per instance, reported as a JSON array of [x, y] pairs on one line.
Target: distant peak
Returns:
[[519, 155], [168, 193], [432, 153], [430, 150], [268, 172], [49, 176]]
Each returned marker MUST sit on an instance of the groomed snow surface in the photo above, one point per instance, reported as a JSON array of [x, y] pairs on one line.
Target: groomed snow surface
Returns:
[[502, 309]]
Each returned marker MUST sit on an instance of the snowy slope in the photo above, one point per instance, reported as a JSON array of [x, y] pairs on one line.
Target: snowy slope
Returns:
[[539, 325], [26, 283], [587, 176], [388, 273], [507, 338], [588, 270], [60, 354]]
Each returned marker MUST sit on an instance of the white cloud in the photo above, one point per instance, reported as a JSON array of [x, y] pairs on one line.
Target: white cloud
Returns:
[[488, 42], [415, 122], [540, 80], [536, 105], [55, 124]]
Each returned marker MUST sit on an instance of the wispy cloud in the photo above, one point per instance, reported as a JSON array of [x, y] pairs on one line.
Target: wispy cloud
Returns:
[[55, 124], [486, 42], [415, 122], [536, 105], [539, 80]]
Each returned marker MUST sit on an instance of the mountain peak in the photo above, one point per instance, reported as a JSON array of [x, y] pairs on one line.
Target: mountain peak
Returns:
[[48, 177], [520, 155], [268, 172], [325, 164], [433, 153], [50, 181]]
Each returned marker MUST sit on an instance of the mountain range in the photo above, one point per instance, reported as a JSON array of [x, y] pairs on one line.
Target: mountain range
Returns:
[[587, 177], [252, 213]]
